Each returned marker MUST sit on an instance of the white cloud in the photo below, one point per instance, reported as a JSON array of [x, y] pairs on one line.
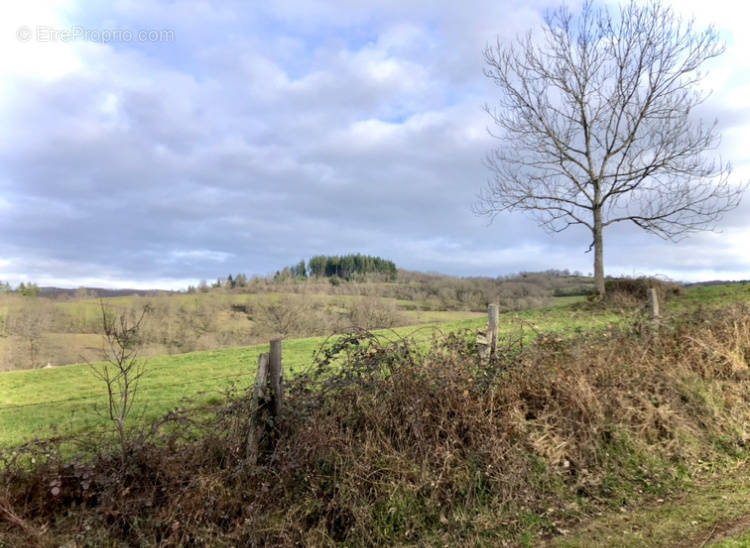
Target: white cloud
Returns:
[[262, 135], [199, 255], [30, 41]]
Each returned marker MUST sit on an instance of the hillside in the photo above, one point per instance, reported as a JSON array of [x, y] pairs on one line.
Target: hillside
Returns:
[[64, 328]]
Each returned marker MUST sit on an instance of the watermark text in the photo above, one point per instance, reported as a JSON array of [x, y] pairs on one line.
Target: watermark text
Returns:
[[45, 33]]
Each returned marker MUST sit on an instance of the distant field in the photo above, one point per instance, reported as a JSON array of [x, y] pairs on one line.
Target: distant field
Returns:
[[43, 332], [68, 400], [59, 328], [713, 295], [415, 312]]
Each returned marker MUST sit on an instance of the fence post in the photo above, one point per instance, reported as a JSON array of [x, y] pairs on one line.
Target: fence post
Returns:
[[259, 398], [277, 377], [492, 328], [267, 400], [653, 304]]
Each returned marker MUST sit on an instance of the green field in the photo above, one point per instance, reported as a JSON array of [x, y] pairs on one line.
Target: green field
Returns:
[[642, 486], [68, 400]]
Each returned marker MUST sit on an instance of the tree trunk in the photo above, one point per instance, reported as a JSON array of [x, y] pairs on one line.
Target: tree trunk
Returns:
[[598, 254]]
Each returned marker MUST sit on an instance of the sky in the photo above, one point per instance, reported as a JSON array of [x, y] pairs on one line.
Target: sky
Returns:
[[155, 144]]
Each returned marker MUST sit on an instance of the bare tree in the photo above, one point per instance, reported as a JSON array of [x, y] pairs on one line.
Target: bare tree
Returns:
[[122, 369], [597, 126], [29, 323], [284, 316]]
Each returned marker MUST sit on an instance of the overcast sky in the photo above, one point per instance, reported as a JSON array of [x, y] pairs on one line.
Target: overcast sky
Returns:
[[154, 144]]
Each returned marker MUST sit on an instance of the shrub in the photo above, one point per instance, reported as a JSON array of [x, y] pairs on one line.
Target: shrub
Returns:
[[373, 313], [386, 443], [632, 292]]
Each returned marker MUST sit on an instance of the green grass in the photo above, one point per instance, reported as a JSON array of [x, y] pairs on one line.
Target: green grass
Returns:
[[741, 541], [714, 295], [69, 400], [716, 507]]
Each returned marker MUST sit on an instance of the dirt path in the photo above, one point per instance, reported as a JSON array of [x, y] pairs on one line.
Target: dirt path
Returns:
[[726, 530], [714, 509]]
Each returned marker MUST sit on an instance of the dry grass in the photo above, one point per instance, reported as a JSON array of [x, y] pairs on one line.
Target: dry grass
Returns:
[[383, 444], [58, 330]]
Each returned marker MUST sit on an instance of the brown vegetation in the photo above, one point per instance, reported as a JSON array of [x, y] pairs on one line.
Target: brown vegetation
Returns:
[[382, 444], [627, 293], [35, 331]]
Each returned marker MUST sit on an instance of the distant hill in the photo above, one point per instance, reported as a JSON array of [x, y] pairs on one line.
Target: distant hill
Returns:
[[98, 292], [406, 276], [715, 282]]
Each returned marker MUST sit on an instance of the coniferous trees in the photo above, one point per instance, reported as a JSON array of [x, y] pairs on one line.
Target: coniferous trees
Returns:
[[348, 266]]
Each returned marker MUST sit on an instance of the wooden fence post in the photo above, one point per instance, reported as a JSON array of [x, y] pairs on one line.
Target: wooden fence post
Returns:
[[492, 327], [653, 304], [260, 396], [268, 399]]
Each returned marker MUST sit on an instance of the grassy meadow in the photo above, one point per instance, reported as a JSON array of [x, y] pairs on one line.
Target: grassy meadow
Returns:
[[592, 426], [68, 400], [60, 328], [44, 332], [64, 401]]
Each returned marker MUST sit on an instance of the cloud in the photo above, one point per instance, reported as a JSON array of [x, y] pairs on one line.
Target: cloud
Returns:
[[258, 136]]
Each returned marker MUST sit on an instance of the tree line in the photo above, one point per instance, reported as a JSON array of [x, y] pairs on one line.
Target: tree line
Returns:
[[27, 290], [335, 267], [346, 266]]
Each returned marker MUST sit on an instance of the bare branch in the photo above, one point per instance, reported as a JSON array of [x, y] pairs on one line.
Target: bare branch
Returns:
[[122, 370], [596, 126]]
